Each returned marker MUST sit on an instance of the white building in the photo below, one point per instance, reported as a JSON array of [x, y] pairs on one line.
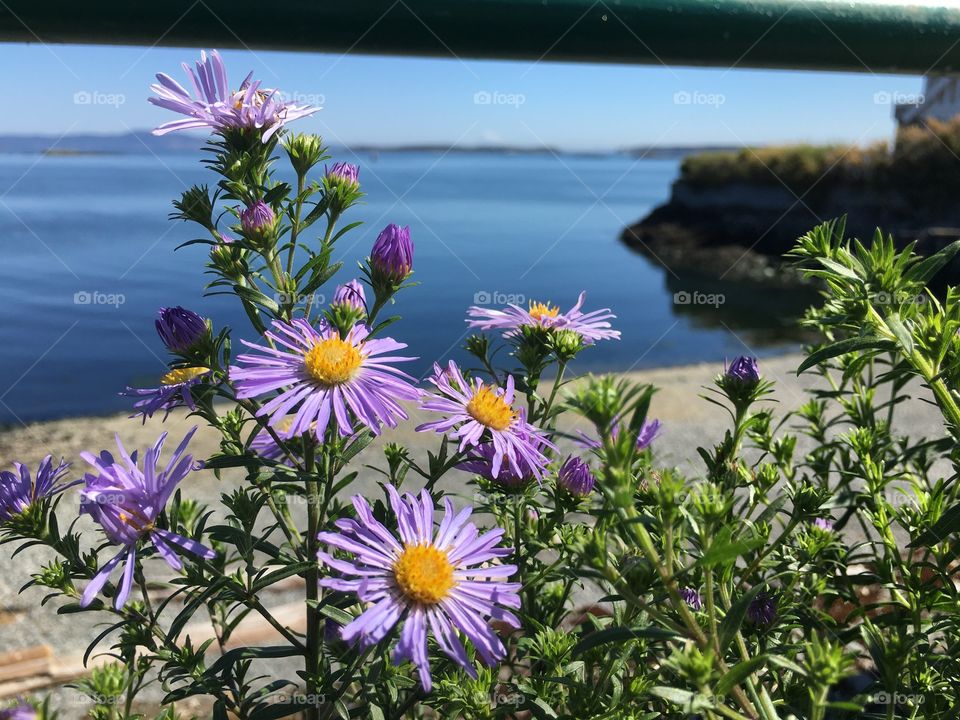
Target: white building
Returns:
[[940, 100]]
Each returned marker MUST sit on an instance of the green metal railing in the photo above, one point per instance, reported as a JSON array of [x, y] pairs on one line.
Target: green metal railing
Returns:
[[818, 34]]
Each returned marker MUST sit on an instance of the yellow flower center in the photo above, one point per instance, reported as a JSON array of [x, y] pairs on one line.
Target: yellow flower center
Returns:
[[182, 375], [424, 574], [259, 98], [543, 311], [490, 409], [137, 521], [332, 361]]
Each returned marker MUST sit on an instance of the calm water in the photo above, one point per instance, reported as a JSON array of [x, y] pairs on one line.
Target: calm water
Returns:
[[484, 226]]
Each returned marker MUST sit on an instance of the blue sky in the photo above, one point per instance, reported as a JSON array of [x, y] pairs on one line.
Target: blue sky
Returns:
[[387, 100]]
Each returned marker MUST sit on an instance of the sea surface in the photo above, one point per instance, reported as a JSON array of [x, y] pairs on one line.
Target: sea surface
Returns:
[[88, 255]]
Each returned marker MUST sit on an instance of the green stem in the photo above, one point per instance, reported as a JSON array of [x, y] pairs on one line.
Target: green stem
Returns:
[[275, 624], [295, 229], [331, 222], [314, 636], [548, 406], [818, 704], [712, 611]]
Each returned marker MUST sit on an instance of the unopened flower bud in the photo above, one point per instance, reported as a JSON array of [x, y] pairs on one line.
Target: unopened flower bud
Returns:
[[258, 220], [392, 255], [350, 295], [179, 328], [343, 175], [576, 478]]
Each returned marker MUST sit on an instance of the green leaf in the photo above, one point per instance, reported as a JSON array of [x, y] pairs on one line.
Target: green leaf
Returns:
[[281, 574], [738, 673], [220, 462], [232, 657], [734, 618], [786, 664], [99, 637], [844, 705], [924, 270], [725, 549], [690, 702], [772, 509], [900, 331], [621, 634], [336, 614], [540, 709], [871, 342], [837, 268], [948, 524]]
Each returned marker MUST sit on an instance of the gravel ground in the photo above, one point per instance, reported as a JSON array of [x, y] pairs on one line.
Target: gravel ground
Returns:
[[688, 422]]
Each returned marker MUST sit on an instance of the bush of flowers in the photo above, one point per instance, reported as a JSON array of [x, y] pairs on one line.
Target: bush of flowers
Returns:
[[808, 571]]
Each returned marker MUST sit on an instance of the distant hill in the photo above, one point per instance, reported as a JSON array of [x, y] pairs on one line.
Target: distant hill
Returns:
[[678, 151], [143, 142], [136, 143]]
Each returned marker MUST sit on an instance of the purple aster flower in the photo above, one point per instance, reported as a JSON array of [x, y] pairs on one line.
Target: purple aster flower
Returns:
[[743, 370], [326, 375], [258, 218], [125, 499], [478, 413], [648, 432], [179, 328], [218, 108], [762, 610], [692, 598], [823, 524], [266, 447], [440, 580], [20, 711], [174, 391], [576, 478], [342, 173], [392, 253], [480, 462], [591, 326], [18, 491], [350, 294]]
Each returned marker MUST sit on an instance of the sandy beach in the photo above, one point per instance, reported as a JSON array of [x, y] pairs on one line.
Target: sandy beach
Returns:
[[688, 422]]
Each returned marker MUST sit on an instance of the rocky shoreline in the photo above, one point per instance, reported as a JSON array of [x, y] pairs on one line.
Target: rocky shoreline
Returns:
[[739, 231]]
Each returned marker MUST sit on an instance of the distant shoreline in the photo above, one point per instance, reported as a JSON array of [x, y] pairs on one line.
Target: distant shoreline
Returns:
[[145, 143]]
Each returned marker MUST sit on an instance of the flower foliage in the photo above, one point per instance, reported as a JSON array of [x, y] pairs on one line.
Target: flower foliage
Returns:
[[803, 567]]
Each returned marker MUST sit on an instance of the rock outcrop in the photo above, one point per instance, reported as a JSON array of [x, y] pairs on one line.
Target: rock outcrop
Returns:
[[740, 231]]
